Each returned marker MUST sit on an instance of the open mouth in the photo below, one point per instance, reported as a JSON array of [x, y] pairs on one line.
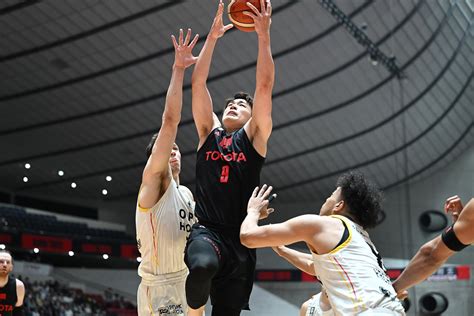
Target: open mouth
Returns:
[[232, 113]]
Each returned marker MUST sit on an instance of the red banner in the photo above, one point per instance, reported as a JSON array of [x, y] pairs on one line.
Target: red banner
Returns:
[[6, 238], [46, 243], [129, 251], [96, 248]]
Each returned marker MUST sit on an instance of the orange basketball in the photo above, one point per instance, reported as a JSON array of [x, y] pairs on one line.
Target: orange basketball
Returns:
[[241, 21]]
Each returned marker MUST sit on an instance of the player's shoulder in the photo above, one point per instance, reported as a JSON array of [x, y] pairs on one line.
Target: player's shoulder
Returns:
[[19, 284], [186, 190]]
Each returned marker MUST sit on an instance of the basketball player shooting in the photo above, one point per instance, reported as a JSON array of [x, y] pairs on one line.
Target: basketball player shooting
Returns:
[[165, 209], [229, 160]]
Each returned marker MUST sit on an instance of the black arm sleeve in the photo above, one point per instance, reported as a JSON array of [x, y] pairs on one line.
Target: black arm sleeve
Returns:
[[451, 240]]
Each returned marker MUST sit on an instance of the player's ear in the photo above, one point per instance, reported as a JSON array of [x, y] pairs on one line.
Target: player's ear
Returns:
[[338, 207]]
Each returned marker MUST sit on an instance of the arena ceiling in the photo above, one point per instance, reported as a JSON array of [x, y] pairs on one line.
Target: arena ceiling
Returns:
[[83, 83]]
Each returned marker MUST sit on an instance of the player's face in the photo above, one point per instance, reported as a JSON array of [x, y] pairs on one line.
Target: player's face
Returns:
[[175, 159], [6, 265], [331, 202], [236, 114]]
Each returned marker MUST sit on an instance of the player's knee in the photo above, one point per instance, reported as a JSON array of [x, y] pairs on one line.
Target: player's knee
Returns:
[[201, 260], [204, 267]]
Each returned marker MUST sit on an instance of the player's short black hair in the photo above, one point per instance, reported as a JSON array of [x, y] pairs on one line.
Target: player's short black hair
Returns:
[[240, 95], [362, 197], [149, 148]]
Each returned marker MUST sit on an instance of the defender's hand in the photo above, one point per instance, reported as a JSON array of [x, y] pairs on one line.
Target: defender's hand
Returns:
[[258, 202], [183, 55], [454, 206]]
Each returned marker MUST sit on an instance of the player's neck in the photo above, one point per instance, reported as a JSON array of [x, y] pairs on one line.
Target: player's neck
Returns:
[[176, 178], [3, 280]]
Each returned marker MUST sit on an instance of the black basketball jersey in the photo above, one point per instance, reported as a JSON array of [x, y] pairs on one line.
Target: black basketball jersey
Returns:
[[8, 297], [227, 171]]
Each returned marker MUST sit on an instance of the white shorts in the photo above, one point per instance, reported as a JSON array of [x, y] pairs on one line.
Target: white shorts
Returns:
[[163, 296], [314, 309]]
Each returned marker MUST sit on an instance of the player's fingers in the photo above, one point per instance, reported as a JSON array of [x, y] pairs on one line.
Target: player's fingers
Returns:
[[253, 8], [180, 36], [194, 41], [267, 192], [262, 190], [255, 192], [188, 37], [175, 44]]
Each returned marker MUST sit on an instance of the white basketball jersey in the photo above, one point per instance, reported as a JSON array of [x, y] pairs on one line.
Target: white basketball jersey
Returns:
[[354, 276], [162, 232]]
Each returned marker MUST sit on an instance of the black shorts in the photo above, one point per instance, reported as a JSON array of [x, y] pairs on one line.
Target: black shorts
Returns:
[[233, 282]]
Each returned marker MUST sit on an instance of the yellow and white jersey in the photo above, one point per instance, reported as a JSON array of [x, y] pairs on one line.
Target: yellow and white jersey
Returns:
[[162, 232], [354, 276]]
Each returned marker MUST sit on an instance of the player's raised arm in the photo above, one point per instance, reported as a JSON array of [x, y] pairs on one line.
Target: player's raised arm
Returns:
[[157, 168], [260, 126], [203, 113]]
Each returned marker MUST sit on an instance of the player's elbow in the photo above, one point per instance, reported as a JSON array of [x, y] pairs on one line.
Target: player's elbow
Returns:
[[247, 239], [265, 85], [171, 119]]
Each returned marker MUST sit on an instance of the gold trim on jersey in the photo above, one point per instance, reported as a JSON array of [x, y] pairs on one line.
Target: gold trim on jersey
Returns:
[[349, 238], [142, 209]]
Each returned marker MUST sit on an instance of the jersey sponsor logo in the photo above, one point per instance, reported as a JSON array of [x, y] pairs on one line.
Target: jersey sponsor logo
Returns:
[[225, 142], [232, 156], [172, 309], [3, 296], [6, 308], [186, 219]]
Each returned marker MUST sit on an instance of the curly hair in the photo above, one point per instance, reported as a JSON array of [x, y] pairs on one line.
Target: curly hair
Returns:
[[362, 197]]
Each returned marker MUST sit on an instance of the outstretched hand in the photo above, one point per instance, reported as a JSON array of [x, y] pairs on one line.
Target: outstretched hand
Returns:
[[183, 55], [258, 202], [218, 28], [454, 206], [262, 19]]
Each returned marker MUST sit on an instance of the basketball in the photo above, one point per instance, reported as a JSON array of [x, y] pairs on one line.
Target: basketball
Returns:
[[241, 21]]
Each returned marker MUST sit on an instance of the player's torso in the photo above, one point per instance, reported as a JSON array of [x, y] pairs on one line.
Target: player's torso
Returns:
[[8, 297], [162, 232], [354, 276], [227, 170]]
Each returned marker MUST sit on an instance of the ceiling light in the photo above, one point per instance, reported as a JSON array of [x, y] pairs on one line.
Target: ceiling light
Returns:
[[60, 173], [104, 192], [108, 178], [71, 253], [105, 256], [27, 166], [36, 250], [25, 179], [2, 246], [73, 185]]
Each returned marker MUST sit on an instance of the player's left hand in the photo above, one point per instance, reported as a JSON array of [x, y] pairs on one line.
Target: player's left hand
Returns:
[[261, 19], [258, 202]]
